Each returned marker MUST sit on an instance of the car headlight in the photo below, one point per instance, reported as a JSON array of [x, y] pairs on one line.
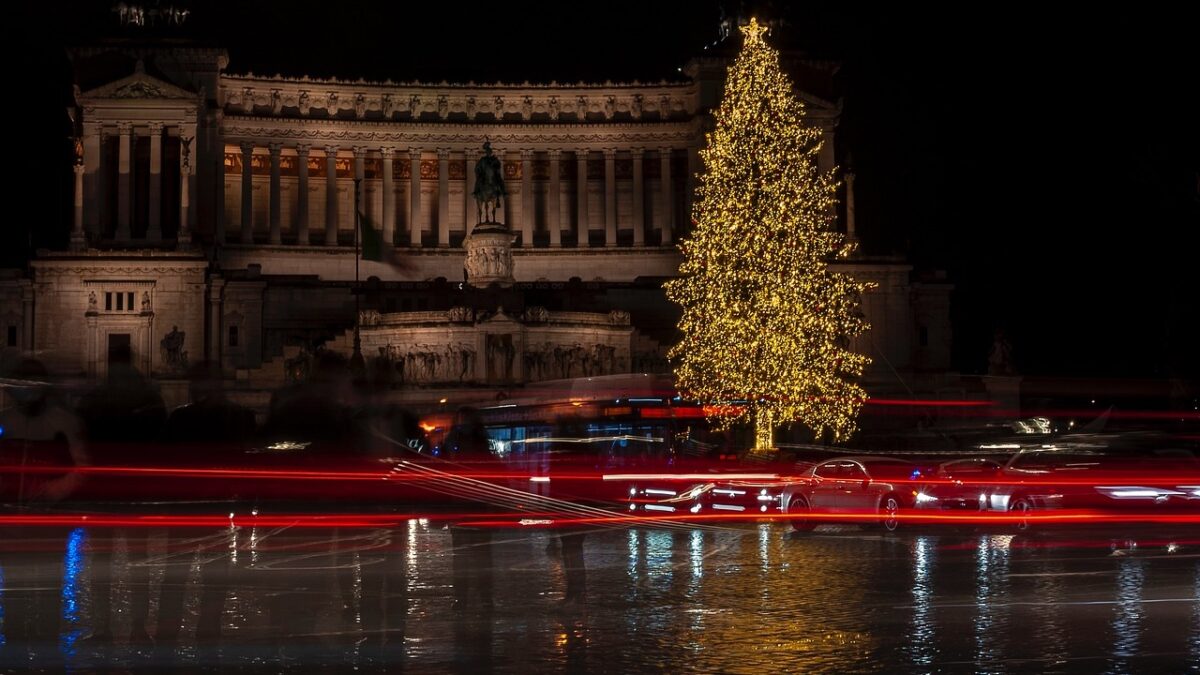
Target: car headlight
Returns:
[[923, 498]]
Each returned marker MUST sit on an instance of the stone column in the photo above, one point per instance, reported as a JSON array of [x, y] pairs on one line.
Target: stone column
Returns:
[[443, 216], [639, 198], [219, 177], [91, 179], [215, 333], [689, 197], [27, 319], [93, 339], [851, 230], [825, 158], [183, 237], [581, 201], [667, 196], [303, 236], [187, 218], [389, 197], [247, 194], [125, 130], [527, 210], [360, 174], [331, 198], [552, 203], [78, 240], [469, 192], [276, 237], [414, 197], [610, 197], [154, 228]]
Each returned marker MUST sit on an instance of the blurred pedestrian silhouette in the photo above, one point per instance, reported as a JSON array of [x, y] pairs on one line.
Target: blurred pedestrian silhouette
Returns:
[[125, 408], [124, 417], [38, 431], [319, 409], [468, 439], [43, 440], [570, 541], [210, 417]]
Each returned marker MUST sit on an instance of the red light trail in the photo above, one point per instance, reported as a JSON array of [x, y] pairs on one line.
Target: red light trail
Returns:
[[523, 519]]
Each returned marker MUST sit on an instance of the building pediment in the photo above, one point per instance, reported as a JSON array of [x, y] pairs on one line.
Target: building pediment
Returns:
[[138, 86], [500, 318], [818, 106]]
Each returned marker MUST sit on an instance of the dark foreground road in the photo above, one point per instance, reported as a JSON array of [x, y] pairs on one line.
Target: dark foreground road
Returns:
[[744, 598]]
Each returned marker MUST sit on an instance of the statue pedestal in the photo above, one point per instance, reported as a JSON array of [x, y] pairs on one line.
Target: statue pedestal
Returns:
[[1005, 393], [489, 255]]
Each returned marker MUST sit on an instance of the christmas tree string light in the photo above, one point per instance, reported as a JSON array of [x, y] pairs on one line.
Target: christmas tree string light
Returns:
[[766, 322]]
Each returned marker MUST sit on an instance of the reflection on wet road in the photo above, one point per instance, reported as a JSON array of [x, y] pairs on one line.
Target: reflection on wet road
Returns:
[[751, 598]]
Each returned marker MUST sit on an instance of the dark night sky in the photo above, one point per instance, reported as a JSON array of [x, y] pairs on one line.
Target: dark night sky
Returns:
[[1046, 161]]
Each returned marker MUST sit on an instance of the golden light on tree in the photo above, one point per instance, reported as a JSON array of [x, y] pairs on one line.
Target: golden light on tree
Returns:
[[765, 319]]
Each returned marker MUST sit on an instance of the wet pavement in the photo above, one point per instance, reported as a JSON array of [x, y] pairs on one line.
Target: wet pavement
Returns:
[[749, 598]]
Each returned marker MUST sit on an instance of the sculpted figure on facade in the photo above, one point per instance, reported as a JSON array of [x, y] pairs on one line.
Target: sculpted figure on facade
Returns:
[[1000, 358], [537, 314], [360, 106], [422, 363], [303, 103], [610, 107], [635, 107], [618, 317], [276, 102], [387, 105], [547, 361], [93, 306], [527, 108], [145, 302], [331, 103], [500, 356], [185, 152], [653, 361], [297, 368], [78, 150], [467, 361], [443, 107], [552, 108], [472, 265], [174, 357], [460, 315], [491, 258]]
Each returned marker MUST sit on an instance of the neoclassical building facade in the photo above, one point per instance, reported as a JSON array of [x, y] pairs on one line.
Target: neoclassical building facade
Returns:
[[222, 206]]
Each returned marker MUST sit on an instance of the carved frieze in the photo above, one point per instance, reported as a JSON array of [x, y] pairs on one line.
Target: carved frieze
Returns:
[[423, 363], [537, 314], [618, 317], [460, 315]]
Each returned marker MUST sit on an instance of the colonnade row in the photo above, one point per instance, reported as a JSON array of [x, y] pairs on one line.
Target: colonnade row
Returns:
[[124, 186], [307, 232]]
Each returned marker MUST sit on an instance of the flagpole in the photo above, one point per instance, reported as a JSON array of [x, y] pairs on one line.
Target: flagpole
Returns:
[[356, 359]]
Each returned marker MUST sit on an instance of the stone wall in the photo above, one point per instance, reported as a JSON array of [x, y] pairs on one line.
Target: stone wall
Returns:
[[83, 306]]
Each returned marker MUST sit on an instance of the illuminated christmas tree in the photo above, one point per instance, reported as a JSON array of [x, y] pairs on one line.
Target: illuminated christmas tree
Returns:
[[766, 323]]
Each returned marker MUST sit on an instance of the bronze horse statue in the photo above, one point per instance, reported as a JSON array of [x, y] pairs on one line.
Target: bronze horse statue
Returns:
[[489, 185]]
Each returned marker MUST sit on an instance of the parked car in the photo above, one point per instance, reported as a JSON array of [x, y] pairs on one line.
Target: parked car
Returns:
[[874, 490]]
